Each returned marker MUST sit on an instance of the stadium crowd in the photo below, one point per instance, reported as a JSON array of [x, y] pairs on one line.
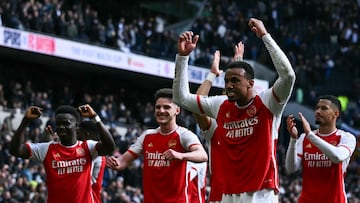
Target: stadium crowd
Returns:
[[319, 37]]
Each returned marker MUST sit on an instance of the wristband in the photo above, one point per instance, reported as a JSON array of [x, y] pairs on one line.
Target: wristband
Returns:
[[97, 119], [211, 77], [239, 58]]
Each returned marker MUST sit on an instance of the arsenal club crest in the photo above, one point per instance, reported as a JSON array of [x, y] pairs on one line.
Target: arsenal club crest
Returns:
[[172, 143], [80, 152], [251, 110]]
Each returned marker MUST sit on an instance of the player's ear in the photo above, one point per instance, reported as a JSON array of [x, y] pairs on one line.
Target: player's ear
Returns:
[[251, 83], [178, 109]]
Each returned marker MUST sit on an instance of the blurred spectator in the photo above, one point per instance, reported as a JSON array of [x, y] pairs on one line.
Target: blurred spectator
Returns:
[[8, 124], [2, 97]]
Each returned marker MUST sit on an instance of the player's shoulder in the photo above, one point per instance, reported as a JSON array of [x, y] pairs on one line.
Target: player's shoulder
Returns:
[[266, 95], [87, 142], [182, 130], [151, 131], [344, 133], [43, 144], [215, 99]]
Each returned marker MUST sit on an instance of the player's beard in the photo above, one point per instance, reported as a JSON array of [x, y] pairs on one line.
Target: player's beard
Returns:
[[318, 122], [231, 95]]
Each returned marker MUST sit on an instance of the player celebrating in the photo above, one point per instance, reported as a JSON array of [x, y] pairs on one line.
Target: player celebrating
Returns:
[[208, 126], [322, 154], [67, 163], [88, 131], [247, 121], [166, 151]]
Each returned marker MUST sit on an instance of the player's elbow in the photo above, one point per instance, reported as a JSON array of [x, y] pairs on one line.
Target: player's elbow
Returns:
[[292, 76], [109, 149], [289, 170], [176, 94], [289, 79], [200, 157], [205, 157], [339, 155], [19, 152], [104, 150], [14, 149], [13, 152], [335, 159], [176, 99]]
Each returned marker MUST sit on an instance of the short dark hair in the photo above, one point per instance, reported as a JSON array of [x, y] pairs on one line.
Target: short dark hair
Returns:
[[249, 70], [164, 93], [69, 109], [332, 99]]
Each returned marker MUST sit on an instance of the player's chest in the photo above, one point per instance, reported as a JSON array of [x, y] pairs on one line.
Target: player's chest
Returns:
[[161, 143]]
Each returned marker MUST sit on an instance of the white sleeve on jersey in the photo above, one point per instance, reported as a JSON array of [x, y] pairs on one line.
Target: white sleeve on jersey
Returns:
[[137, 147], [95, 169], [270, 101], [92, 147], [338, 153], [39, 150], [187, 138], [208, 134], [283, 86], [188, 101], [293, 160], [181, 89]]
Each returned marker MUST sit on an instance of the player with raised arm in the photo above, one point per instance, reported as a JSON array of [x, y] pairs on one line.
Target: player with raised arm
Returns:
[[248, 121], [68, 162], [208, 125], [88, 131]]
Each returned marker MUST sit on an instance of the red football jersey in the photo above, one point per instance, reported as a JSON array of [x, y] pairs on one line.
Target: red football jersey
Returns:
[[317, 170], [248, 139], [164, 180], [68, 170]]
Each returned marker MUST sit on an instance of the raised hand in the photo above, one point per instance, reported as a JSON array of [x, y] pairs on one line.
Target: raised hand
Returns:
[[216, 63], [187, 43], [291, 126], [306, 125], [239, 51], [49, 131], [33, 112], [258, 27], [87, 111]]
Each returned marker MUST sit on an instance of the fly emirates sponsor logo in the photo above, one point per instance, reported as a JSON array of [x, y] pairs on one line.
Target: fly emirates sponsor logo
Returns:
[[316, 160], [157, 159], [236, 129], [69, 166]]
